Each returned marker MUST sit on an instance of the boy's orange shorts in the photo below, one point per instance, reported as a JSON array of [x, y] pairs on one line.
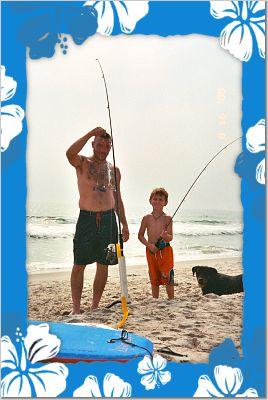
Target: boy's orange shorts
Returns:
[[160, 264]]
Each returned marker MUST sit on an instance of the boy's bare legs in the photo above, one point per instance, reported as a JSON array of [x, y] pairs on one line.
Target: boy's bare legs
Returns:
[[170, 291], [99, 284], [155, 291], [77, 282]]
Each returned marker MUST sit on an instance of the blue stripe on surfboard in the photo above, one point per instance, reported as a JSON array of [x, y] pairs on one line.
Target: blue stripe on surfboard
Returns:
[[91, 342]]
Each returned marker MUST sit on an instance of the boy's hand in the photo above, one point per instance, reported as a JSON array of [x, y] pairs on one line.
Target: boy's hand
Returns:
[[152, 248], [164, 235]]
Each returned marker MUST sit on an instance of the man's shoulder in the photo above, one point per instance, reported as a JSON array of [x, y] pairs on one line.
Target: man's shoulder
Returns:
[[116, 171], [83, 158], [79, 166], [112, 166], [85, 161]]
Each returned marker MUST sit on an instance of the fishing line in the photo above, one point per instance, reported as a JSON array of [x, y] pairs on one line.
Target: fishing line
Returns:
[[198, 176], [113, 153], [160, 244]]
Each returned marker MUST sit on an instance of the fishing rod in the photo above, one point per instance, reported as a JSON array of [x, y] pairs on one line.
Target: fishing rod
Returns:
[[113, 152], [160, 240], [119, 246]]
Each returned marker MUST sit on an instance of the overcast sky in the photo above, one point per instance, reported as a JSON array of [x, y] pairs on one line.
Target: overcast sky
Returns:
[[174, 102]]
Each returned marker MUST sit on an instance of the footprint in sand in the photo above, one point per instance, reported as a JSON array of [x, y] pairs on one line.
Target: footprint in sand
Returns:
[[107, 312], [195, 342], [175, 330], [71, 320], [185, 326], [195, 333], [164, 338], [187, 316], [67, 313]]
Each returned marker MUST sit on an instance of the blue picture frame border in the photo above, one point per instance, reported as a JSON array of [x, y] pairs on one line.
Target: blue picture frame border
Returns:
[[164, 19]]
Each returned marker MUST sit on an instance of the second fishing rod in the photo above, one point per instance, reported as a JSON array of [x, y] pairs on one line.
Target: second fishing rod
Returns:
[[160, 244]]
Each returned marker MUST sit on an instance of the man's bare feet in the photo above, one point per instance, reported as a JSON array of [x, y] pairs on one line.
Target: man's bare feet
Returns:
[[94, 308], [75, 311]]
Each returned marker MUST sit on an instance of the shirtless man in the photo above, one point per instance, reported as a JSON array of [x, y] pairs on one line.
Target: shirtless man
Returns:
[[96, 226], [159, 254]]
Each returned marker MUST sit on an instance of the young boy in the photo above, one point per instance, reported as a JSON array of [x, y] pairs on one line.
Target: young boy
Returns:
[[159, 255]]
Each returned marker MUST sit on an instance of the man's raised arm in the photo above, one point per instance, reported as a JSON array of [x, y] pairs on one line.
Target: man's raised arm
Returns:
[[72, 153]]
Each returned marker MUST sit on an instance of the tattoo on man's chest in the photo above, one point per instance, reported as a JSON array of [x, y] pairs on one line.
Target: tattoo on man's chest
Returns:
[[102, 174], [92, 171]]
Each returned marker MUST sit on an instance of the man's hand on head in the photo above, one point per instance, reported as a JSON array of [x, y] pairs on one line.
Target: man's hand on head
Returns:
[[98, 131]]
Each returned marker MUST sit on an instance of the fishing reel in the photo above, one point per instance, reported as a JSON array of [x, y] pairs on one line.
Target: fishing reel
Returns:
[[160, 244], [111, 255]]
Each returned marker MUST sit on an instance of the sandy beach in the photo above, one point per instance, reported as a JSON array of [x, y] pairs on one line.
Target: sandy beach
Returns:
[[191, 324]]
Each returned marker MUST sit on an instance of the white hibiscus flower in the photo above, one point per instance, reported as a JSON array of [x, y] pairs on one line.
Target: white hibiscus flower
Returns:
[[152, 369], [248, 23], [24, 380], [228, 379], [113, 386], [256, 143], [128, 12], [12, 114]]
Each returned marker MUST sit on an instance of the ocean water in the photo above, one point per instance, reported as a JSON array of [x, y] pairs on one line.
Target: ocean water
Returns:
[[198, 234]]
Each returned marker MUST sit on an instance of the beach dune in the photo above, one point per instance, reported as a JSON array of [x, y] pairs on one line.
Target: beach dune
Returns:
[[191, 324]]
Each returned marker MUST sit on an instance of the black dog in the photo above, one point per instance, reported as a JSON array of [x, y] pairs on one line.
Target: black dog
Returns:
[[210, 281]]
